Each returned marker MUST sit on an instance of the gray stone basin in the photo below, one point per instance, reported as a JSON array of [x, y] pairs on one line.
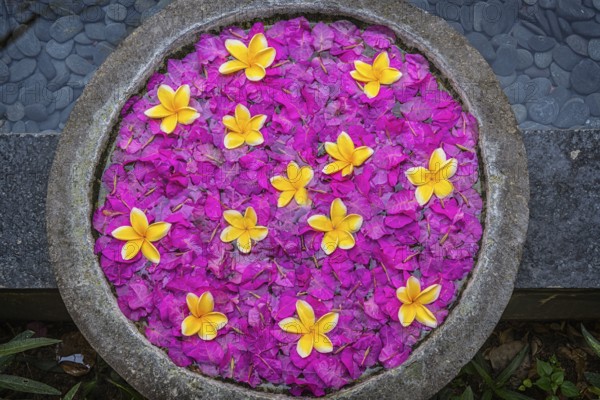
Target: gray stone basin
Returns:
[[83, 149]]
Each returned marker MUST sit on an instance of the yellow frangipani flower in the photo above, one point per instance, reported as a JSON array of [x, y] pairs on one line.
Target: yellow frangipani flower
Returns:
[[380, 73], [254, 59], [243, 229], [204, 321], [243, 128], [414, 301], [345, 155], [173, 108], [435, 179], [140, 235], [294, 186], [339, 229], [313, 333]]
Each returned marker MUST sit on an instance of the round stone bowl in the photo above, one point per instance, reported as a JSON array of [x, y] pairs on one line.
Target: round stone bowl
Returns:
[[84, 148]]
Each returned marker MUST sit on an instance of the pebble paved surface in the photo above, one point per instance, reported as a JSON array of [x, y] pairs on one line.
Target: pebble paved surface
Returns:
[[546, 54]]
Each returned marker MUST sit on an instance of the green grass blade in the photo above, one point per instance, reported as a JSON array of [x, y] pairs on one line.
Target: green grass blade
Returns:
[[6, 360], [18, 384], [484, 375], [72, 392], [594, 344], [19, 346], [513, 366]]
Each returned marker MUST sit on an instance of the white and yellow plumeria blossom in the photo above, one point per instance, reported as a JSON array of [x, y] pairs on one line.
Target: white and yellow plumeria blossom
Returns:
[[380, 73], [243, 229], [313, 333], [414, 301], [294, 185], [435, 179], [173, 108], [140, 235], [346, 156], [254, 59], [339, 229], [243, 128], [204, 321]]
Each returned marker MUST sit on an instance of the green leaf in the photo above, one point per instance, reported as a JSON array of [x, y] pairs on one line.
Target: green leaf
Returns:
[[544, 384], [18, 346], [513, 366], [6, 360], [72, 392], [558, 377], [568, 389], [543, 368], [594, 344], [593, 378], [19, 384], [506, 394], [487, 395], [527, 383], [484, 375], [467, 394]]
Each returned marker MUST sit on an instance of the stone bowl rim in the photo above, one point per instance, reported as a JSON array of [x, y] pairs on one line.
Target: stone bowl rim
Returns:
[[85, 141]]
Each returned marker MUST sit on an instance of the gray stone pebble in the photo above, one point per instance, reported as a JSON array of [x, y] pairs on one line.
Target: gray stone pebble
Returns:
[[520, 112], [22, 69], [594, 49], [66, 28], [9, 93], [560, 76], [593, 103], [116, 12], [543, 110], [4, 72], [535, 72], [36, 112], [13, 51], [548, 4], [63, 97], [507, 80], [543, 60], [87, 51], [561, 94], [133, 18], [82, 39], [19, 127], [565, 57], [66, 7], [59, 51], [45, 65], [573, 10], [15, 112], [26, 41], [31, 126], [578, 44], [92, 14], [126, 3], [41, 27], [51, 123], [62, 75], [586, 28], [505, 60], [103, 49], [541, 43], [574, 112], [95, 31], [482, 44], [115, 32], [524, 59], [585, 77], [504, 39], [143, 5], [79, 65]]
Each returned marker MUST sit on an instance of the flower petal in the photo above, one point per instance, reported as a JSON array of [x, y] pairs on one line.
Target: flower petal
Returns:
[[389, 76], [257, 44], [306, 175], [305, 313], [293, 172], [407, 314], [403, 296], [244, 243], [242, 116], [238, 50], [125, 233], [351, 223], [381, 62], [285, 198], [413, 288], [360, 77], [182, 97], [443, 189], [231, 124], [187, 115], [330, 242], [364, 69], [301, 196], [305, 345], [327, 322], [166, 95], [233, 140], [231, 233], [335, 167], [206, 304], [292, 325], [320, 223], [423, 194], [372, 89], [282, 184], [265, 57], [254, 138], [169, 124], [417, 175], [322, 344], [157, 231], [430, 294], [437, 159], [345, 240], [448, 169], [131, 249], [150, 252], [347, 170], [333, 151], [361, 154], [216, 319], [250, 217], [255, 73], [258, 233], [138, 221], [234, 218], [345, 146], [257, 122], [337, 211], [190, 326], [425, 316], [192, 302], [232, 66], [158, 111]]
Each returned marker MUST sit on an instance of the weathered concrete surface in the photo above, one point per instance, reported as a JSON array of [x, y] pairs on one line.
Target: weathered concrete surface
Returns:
[[70, 199]]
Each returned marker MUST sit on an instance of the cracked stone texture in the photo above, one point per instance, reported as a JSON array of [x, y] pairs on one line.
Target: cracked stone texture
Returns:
[[71, 199]]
